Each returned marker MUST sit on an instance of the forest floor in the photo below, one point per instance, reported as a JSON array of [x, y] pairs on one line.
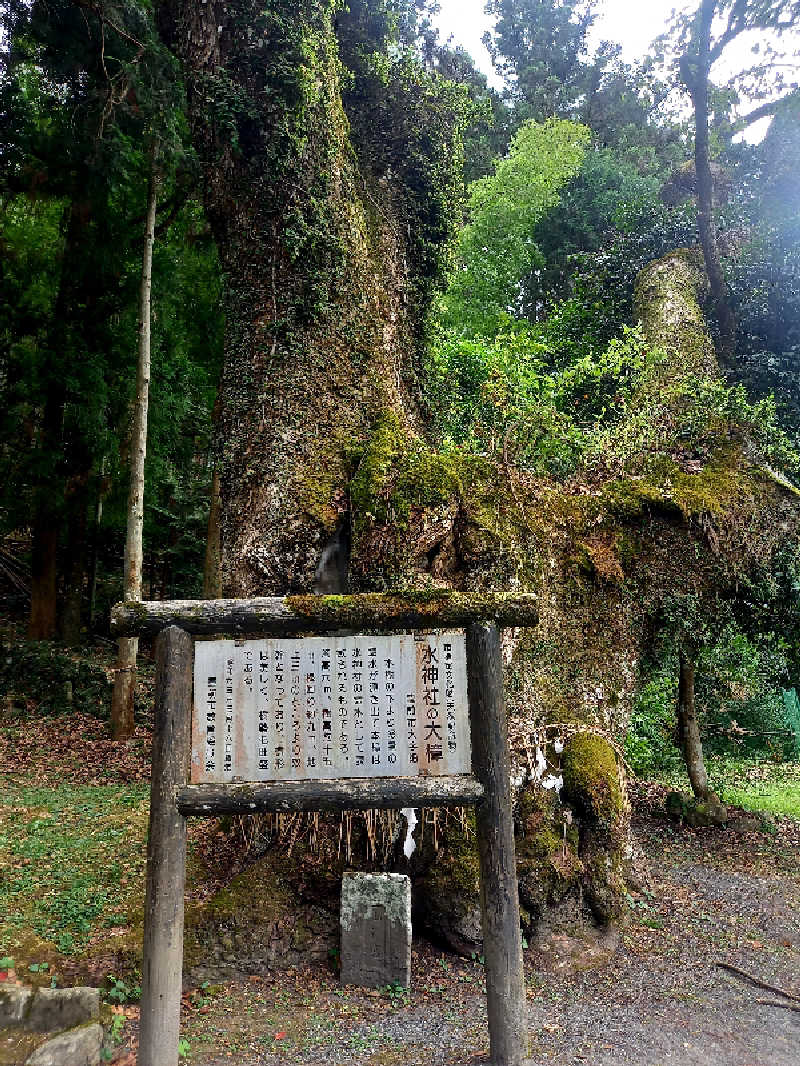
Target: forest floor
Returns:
[[651, 993], [73, 814]]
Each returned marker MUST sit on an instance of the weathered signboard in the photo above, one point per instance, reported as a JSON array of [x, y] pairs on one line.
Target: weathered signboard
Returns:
[[329, 723], [324, 708]]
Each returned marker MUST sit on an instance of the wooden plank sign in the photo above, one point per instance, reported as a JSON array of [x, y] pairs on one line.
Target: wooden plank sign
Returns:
[[326, 708]]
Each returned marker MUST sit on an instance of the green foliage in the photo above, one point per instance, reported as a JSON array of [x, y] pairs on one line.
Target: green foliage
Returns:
[[650, 741], [496, 249], [791, 710], [739, 691], [665, 409], [539, 47], [739, 695], [67, 874], [121, 991], [762, 786]]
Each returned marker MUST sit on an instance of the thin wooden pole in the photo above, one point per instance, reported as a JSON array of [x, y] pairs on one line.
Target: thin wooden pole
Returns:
[[166, 853], [502, 938]]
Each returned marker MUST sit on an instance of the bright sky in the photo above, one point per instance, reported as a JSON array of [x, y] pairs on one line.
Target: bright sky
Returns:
[[631, 23]]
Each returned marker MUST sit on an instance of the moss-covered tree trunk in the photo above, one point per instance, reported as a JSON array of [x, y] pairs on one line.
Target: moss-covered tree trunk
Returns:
[[318, 335]]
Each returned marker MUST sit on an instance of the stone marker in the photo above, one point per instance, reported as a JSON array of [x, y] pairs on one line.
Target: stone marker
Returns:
[[376, 930], [62, 1008]]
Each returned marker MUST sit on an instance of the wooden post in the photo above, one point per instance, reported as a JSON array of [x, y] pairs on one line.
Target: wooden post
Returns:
[[166, 853], [502, 938]]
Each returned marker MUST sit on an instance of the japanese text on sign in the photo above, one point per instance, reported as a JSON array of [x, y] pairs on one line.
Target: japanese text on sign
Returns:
[[330, 707]]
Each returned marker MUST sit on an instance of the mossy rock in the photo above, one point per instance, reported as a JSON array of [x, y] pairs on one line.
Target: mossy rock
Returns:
[[591, 780], [548, 866], [603, 881], [695, 812], [447, 894]]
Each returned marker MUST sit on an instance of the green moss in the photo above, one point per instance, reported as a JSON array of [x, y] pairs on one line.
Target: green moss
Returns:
[[591, 779], [548, 866], [455, 874], [668, 489], [399, 472]]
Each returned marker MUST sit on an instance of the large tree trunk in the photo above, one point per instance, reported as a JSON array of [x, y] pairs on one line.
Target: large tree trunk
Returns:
[[48, 501], [318, 340], [44, 576], [122, 723], [212, 570], [696, 72], [689, 729]]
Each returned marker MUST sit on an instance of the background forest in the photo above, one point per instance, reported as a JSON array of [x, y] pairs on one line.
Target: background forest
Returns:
[[574, 177], [542, 337]]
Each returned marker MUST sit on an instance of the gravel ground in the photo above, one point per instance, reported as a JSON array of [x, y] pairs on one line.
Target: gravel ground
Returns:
[[650, 994]]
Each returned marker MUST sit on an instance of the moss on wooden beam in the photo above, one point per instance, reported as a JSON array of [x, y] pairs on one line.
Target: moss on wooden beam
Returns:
[[368, 612]]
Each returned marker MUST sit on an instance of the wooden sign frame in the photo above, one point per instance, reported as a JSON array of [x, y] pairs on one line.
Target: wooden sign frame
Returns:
[[173, 798]]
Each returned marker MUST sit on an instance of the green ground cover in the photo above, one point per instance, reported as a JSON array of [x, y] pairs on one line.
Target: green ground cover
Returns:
[[766, 786], [71, 868]]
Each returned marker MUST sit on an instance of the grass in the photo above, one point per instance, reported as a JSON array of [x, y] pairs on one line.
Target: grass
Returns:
[[763, 787], [71, 868]]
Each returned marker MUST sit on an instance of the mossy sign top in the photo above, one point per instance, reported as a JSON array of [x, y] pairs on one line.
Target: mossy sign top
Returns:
[[334, 707]]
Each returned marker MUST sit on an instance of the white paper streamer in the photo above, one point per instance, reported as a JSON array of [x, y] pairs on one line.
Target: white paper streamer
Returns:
[[551, 781], [410, 815]]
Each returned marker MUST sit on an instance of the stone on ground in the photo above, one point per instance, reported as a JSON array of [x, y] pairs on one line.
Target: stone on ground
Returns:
[[14, 1003], [76, 1047], [376, 930]]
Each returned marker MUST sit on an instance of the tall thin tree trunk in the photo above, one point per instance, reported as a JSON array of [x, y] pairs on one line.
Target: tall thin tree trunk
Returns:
[[697, 81], [689, 729], [43, 621], [98, 518], [125, 680], [75, 565], [44, 577]]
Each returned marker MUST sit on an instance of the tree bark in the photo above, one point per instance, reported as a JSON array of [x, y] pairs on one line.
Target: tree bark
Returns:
[[44, 576], [75, 566], [212, 571], [318, 337], [689, 729], [696, 72], [122, 723]]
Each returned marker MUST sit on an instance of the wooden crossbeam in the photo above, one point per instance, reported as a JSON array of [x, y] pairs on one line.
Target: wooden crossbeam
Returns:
[[365, 612], [357, 794]]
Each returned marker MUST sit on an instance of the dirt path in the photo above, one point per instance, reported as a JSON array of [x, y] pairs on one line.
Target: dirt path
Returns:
[[650, 995]]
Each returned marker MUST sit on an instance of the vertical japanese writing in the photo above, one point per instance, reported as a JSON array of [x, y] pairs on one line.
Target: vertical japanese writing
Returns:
[[432, 725], [343, 724], [411, 728], [295, 691], [211, 724], [449, 700], [374, 705], [357, 679], [264, 753], [227, 762], [326, 708], [279, 700], [310, 723], [389, 696], [292, 709]]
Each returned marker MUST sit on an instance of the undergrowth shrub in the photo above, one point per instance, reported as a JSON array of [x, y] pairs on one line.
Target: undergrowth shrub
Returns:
[[55, 680]]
